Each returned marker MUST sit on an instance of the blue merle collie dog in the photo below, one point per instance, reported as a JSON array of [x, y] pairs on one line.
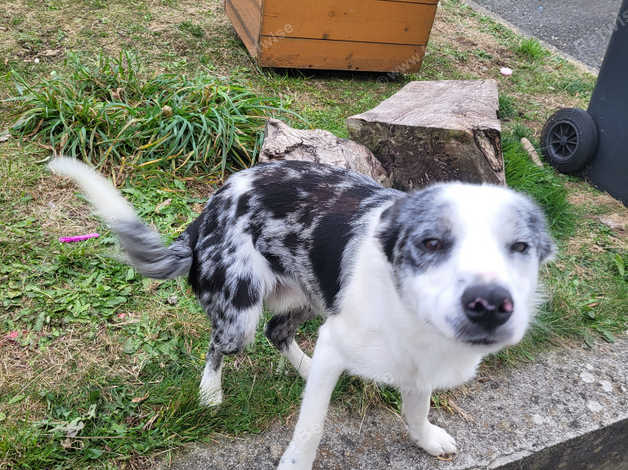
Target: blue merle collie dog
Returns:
[[415, 288]]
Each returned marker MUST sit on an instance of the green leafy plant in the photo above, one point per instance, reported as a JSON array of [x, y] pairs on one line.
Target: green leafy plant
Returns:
[[107, 114]]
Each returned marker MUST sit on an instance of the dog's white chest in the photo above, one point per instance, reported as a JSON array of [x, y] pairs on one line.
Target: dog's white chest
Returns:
[[402, 358]]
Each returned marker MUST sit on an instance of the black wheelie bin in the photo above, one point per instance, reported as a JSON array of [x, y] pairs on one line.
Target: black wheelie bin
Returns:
[[594, 143]]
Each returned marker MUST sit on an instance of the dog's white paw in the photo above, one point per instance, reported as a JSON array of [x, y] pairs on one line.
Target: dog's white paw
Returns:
[[210, 397], [435, 440], [297, 459], [210, 390], [294, 463]]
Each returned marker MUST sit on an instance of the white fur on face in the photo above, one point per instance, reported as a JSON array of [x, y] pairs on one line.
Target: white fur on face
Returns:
[[483, 226]]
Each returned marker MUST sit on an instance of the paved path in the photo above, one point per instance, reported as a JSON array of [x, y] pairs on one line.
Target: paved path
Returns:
[[580, 28], [569, 403]]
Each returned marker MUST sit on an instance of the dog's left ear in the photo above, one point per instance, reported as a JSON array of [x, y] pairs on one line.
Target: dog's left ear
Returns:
[[546, 248]]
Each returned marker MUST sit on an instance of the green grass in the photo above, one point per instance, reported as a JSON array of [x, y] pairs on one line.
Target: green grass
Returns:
[[106, 114], [115, 421], [507, 109], [542, 184], [50, 289], [576, 86], [532, 49], [583, 306], [101, 349], [193, 29]]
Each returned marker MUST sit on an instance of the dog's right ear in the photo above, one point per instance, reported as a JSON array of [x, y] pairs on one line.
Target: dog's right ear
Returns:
[[389, 229]]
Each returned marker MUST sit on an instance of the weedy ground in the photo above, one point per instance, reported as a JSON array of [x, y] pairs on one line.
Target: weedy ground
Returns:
[[98, 367]]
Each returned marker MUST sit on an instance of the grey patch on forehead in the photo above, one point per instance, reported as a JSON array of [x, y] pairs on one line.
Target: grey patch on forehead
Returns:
[[418, 216]]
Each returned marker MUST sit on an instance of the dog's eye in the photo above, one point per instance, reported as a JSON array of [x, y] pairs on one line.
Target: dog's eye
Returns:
[[432, 244], [519, 247]]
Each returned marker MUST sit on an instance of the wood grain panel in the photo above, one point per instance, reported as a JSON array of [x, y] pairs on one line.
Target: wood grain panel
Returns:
[[392, 22], [340, 55], [428, 2], [245, 16]]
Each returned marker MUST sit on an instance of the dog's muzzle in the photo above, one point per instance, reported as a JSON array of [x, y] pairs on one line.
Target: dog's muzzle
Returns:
[[487, 305]]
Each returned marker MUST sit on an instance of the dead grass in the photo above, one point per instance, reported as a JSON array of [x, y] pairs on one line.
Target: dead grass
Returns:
[[587, 240], [51, 200], [55, 204], [583, 196], [44, 33], [601, 208], [61, 364]]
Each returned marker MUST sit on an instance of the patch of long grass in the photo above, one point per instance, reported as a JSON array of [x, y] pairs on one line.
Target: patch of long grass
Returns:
[[576, 86], [507, 109], [531, 49], [107, 114], [542, 184], [586, 288]]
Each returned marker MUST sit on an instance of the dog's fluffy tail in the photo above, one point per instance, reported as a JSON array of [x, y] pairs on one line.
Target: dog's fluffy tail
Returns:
[[142, 244]]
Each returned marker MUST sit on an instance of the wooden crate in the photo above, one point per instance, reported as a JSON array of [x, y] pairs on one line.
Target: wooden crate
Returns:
[[375, 35]]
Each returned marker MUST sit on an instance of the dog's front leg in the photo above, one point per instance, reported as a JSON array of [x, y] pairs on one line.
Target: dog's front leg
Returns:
[[325, 369], [433, 439]]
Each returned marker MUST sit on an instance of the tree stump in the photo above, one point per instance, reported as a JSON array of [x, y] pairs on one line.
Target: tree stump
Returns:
[[435, 131], [282, 142]]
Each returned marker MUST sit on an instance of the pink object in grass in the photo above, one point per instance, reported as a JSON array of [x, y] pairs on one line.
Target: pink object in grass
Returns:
[[78, 238], [13, 335]]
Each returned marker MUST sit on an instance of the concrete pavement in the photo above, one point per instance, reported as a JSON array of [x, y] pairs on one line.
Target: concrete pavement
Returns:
[[568, 409]]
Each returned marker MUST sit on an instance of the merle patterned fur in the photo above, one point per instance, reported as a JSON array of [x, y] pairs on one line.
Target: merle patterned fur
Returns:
[[301, 218], [304, 220]]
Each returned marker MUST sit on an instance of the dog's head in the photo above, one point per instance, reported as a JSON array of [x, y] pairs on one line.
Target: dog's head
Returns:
[[466, 259]]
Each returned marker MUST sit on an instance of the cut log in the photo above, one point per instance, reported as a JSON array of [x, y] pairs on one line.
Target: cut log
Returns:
[[282, 142], [435, 131]]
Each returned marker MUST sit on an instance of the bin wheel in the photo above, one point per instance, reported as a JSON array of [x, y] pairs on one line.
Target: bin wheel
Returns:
[[569, 139]]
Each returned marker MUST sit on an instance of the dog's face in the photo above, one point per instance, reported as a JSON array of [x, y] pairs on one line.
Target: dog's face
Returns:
[[466, 259]]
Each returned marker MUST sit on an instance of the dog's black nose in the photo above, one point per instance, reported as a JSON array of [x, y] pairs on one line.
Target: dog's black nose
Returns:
[[489, 305]]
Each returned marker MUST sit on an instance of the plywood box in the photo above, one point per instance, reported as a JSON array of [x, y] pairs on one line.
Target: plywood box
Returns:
[[374, 35]]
